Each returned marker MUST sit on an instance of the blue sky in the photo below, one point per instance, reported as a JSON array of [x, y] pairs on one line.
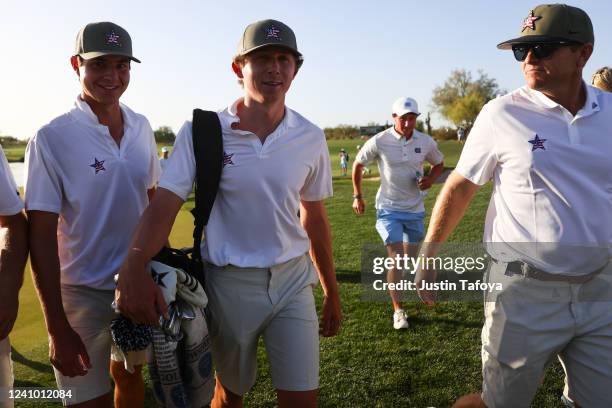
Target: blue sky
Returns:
[[359, 56]]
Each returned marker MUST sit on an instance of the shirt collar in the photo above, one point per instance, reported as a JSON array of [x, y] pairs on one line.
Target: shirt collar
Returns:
[[83, 113], [399, 136], [591, 105], [230, 116]]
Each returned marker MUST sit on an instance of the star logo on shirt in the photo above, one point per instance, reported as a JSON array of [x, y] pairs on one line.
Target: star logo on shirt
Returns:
[[98, 165], [112, 39], [227, 159], [537, 143], [158, 277], [529, 22]]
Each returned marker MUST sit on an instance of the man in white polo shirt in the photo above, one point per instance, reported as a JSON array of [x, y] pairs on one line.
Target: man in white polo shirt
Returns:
[[260, 278], [400, 152], [547, 147], [89, 174], [13, 256]]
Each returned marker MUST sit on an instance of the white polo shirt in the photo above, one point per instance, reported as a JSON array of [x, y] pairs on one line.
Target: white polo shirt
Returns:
[[75, 169], [552, 179], [10, 203], [399, 160], [254, 221]]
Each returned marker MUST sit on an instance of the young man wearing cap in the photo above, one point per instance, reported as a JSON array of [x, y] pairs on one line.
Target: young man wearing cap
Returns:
[[547, 148], [400, 152], [13, 256], [163, 160], [89, 173], [344, 157], [259, 277]]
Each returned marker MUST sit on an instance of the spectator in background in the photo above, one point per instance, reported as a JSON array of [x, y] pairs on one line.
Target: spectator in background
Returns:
[[602, 79]]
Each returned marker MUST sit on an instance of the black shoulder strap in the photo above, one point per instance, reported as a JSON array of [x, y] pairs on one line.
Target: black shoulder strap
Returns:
[[208, 150]]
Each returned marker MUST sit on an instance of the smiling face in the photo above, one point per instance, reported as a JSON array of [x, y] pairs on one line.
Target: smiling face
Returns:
[[560, 69], [103, 79], [267, 73], [405, 124]]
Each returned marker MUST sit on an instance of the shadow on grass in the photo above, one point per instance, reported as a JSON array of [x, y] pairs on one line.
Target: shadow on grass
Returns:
[[34, 365], [433, 320], [348, 275]]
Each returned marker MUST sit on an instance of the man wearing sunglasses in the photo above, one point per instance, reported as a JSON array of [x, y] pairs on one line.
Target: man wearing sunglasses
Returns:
[[548, 229]]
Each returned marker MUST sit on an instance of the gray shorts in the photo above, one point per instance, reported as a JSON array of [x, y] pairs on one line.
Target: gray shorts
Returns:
[[530, 322], [276, 302], [89, 313]]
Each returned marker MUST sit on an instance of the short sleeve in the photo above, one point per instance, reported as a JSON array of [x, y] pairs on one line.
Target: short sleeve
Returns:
[[318, 185], [368, 152], [179, 174], [43, 186], [434, 155], [478, 159], [10, 203], [154, 166]]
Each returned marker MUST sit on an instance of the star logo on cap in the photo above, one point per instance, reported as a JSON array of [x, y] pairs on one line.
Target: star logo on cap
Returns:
[[537, 143], [408, 104], [227, 159], [112, 39], [272, 33], [529, 21], [98, 165]]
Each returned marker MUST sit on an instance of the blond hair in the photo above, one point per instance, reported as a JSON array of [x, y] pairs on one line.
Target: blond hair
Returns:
[[602, 79]]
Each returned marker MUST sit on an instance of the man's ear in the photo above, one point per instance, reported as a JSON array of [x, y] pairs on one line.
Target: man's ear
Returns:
[[74, 61], [585, 54], [237, 70]]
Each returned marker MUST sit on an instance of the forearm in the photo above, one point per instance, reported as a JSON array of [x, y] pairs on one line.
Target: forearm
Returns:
[[436, 172], [13, 253], [318, 230], [357, 176], [46, 274], [450, 207], [154, 227]]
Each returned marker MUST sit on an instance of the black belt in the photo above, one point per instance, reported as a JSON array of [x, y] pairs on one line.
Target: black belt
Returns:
[[529, 271]]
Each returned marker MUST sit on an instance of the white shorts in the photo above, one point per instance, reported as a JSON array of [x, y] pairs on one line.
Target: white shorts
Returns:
[[275, 302], [532, 321], [89, 313], [6, 373]]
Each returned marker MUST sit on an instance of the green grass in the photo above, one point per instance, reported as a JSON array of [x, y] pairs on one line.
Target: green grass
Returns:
[[14, 153], [369, 364]]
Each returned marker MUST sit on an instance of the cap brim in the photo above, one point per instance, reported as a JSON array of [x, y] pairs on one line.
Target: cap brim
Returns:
[[272, 45], [402, 113], [96, 54], [506, 45]]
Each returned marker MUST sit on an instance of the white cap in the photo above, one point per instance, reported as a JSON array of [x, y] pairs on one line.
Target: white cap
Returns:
[[405, 105], [164, 149]]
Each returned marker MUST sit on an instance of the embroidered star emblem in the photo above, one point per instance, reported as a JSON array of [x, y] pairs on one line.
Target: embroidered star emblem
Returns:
[[272, 32], [594, 105], [529, 21], [98, 165], [227, 159], [158, 277], [537, 143], [112, 38]]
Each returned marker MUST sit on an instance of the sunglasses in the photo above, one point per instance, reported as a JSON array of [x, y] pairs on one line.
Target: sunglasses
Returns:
[[539, 51]]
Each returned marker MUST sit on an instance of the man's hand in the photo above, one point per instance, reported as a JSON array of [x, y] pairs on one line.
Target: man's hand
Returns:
[[425, 277], [331, 316], [359, 206], [9, 305], [67, 352], [425, 182], [137, 296]]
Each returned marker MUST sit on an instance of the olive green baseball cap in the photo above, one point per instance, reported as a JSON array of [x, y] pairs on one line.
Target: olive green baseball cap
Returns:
[[103, 38], [267, 33], [548, 23]]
